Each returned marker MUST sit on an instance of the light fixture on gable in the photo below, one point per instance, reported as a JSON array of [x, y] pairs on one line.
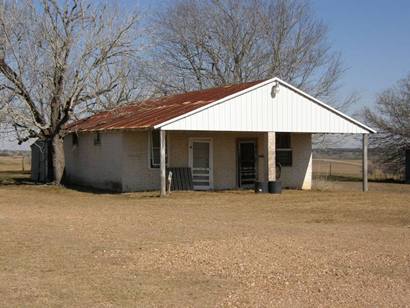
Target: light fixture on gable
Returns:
[[275, 89]]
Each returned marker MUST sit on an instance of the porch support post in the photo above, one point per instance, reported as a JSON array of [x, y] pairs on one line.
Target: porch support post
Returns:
[[270, 156], [364, 162], [162, 164]]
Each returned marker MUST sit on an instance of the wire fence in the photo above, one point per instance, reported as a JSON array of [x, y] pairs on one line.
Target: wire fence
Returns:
[[332, 167], [16, 163], [349, 169]]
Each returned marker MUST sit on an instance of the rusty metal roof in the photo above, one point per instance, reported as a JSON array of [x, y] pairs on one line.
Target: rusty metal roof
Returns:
[[147, 114]]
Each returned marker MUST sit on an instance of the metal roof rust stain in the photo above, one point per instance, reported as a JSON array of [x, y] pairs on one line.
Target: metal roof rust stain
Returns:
[[147, 114]]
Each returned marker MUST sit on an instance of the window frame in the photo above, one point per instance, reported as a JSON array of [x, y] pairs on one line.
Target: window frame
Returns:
[[285, 150], [149, 151]]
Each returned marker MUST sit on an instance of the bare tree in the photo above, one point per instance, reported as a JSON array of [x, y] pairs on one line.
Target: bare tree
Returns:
[[60, 60], [208, 43], [391, 118]]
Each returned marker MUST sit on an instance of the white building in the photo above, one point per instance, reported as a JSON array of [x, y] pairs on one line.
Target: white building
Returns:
[[229, 137]]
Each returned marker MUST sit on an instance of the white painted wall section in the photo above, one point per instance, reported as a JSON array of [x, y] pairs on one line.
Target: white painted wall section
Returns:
[[299, 175], [98, 166], [137, 175], [257, 111]]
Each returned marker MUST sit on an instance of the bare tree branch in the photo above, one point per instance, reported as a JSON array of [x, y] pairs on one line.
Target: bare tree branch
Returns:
[[391, 118], [201, 44], [61, 60]]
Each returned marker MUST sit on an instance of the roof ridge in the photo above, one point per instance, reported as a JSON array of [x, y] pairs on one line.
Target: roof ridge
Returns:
[[197, 91]]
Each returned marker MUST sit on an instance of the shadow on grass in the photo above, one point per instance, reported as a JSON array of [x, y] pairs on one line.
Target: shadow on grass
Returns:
[[91, 190], [340, 178], [17, 178], [98, 191], [13, 177]]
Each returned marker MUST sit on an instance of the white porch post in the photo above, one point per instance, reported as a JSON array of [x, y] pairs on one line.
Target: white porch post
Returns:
[[364, 161], [162, 164], [270, 156]]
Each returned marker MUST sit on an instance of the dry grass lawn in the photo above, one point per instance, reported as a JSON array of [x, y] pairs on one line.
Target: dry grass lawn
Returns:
[[62, 247]]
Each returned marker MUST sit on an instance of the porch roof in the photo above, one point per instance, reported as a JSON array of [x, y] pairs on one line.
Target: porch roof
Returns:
[[149, 113]]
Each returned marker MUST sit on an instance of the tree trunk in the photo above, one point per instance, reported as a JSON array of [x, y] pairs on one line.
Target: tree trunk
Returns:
[[57, 156]]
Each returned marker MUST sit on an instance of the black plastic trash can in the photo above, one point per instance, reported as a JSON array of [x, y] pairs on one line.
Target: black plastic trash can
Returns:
[[275, 187]]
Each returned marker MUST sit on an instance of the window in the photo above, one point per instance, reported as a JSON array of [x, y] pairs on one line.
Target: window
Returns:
[[97, 138], [284, 149], [74, 139], [155, 149], [155, 146]]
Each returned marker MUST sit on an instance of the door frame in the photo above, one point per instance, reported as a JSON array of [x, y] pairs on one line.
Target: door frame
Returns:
[[238, 173], [211, 159]]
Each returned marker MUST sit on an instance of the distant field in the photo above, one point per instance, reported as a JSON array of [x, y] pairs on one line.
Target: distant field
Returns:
[[333, 167], [349, 168], [322, 167], [11, 169], [14, 163]]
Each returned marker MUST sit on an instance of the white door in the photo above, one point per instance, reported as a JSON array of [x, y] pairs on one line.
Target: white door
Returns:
[[200, 161]]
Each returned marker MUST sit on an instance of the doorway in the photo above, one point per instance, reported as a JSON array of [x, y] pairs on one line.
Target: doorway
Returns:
[[201, 163], [247, 163]]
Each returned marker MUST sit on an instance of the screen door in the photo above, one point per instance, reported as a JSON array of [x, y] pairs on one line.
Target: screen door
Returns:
[[200, 157], [247, 164]]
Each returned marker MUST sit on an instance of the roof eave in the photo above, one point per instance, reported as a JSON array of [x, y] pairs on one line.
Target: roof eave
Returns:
[[115, 129]]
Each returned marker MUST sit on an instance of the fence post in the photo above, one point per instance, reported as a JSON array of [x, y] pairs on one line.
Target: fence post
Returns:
[[364, 162], [163, 191], [407, 179]]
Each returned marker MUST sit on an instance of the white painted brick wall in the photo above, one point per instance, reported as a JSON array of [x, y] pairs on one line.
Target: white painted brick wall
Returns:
[[300, 174], [136, 172], [97, 166]]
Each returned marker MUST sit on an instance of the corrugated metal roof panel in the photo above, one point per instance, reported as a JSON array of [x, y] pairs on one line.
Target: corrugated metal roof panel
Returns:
[[149, 113]]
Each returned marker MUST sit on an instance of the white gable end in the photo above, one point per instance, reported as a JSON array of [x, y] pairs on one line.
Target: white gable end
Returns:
[[255, 110]]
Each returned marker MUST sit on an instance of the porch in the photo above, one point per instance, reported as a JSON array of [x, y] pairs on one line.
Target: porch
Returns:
[[235, 160]]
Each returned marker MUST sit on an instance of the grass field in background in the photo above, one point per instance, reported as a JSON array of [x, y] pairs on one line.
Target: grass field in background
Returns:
[[11, 169], [328, 169], [14, 163]]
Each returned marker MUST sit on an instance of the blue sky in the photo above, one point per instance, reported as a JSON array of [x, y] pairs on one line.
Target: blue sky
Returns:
[[373, 37], [374, 40]]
